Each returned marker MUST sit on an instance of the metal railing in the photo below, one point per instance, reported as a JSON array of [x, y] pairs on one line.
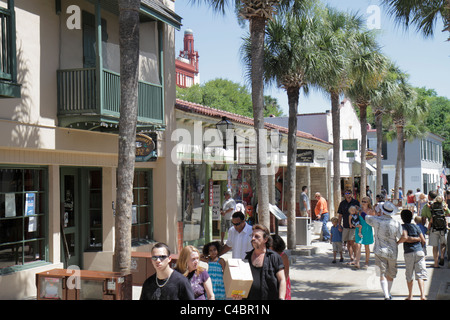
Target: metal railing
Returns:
[[78, 94]]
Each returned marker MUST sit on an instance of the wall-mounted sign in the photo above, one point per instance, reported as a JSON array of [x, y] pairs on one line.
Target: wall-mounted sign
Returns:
[[349, 144], [220, 175], [305, 155], [146, 147]]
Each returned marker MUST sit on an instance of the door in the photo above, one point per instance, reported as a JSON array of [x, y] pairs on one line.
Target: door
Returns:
[[70, 217]]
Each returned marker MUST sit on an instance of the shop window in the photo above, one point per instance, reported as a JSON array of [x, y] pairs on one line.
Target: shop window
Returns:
[[193, 192], [142, 219], [23, 211]]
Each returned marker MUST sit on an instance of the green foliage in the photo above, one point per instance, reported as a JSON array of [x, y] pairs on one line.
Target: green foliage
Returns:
[[438, 118], [226, 95]]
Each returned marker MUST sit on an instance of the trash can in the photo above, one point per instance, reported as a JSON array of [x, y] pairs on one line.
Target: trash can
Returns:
[[302, 231]]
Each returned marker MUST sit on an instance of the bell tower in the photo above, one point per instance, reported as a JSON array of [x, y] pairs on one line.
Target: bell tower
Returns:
[[186, 64]]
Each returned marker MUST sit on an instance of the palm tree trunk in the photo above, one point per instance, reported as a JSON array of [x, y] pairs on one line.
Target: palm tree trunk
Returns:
[[257, 32], [403, 163], [336, 121], [379, 125], [293, 96], [399, 160], [129, 71], [363, 119]]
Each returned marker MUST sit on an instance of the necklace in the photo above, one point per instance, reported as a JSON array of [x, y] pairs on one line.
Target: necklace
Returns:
[[258, 260], [165, 281]]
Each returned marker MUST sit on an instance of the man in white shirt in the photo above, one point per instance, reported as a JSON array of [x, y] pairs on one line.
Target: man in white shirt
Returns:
[[387, 232], [228, 208], [239, 237]]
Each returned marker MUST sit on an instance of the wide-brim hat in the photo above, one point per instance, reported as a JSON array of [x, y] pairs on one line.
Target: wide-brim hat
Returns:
[[389, 208]]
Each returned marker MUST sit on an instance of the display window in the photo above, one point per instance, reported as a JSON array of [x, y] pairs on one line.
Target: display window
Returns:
[[23, 213], [244, 188], [142, 211]]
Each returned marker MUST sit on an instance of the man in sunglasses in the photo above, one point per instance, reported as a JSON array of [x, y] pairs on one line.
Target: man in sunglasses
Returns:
[[348, 234], [166, 283], [239, 237]]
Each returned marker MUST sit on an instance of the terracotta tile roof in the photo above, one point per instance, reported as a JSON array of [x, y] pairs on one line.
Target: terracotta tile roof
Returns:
[[216, 113]]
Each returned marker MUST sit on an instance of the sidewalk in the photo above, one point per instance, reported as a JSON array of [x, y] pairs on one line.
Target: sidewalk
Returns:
[[314, 277]]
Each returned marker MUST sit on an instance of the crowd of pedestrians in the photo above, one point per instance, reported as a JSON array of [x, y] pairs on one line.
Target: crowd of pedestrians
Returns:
[[358, 225]]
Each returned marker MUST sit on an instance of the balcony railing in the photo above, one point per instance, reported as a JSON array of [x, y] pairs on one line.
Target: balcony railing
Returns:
[[78, 95]]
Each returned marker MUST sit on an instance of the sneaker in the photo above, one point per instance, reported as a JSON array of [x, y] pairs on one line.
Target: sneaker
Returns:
[[334, 261], [342, 260]]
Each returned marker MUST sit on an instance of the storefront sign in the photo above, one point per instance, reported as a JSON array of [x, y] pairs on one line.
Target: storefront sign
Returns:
[[350, 145], [305, 155], [146, 147], [220, 175]]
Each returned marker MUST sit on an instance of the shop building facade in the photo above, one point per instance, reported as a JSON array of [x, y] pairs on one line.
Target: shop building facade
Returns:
[[208, 165], [59, 112]]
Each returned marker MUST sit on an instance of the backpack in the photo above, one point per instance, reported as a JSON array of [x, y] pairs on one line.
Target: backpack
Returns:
[[439, 221]]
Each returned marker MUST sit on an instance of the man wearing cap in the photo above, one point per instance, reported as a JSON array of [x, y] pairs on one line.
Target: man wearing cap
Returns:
[[348, 234], [228, 208], [387, 232]]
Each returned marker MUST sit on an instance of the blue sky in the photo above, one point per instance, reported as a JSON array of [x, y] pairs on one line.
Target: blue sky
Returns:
[[218, 39]]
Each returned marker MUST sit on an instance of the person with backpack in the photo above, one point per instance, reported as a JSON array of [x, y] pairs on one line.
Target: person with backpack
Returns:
[[436, 211]]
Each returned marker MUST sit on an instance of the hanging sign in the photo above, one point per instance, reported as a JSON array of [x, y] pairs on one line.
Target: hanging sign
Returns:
[[305, 155], [146, 149]]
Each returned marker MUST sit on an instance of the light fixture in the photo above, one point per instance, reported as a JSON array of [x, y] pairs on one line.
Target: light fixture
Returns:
[[223, 126]]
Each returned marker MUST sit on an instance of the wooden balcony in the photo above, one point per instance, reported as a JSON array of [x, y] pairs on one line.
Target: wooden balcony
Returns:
[[84, 103]]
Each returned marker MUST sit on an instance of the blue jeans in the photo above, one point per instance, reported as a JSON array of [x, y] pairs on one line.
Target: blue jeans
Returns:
[[325, 233]]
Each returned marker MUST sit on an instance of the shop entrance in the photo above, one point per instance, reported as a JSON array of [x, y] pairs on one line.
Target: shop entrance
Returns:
[[70, 217]]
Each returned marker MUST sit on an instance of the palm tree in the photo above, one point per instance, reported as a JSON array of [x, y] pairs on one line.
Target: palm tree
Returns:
[[257, 12], [290, 57], [385, 95], [422, 14], [407, 117], [129, 71], [337, 39], [366, 72]]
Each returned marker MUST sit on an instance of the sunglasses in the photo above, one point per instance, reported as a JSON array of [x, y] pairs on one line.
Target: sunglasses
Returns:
[[236, 224], [162, 258], [364, 202]]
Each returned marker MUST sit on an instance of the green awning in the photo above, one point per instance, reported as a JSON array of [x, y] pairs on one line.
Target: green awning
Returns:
[[150, 9], [160, 12]]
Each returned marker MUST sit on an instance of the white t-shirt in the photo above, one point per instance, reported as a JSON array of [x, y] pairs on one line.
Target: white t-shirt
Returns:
[[240, 242], [228, 204]]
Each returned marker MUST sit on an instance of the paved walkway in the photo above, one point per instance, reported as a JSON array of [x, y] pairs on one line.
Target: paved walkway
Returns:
[[314, 277]]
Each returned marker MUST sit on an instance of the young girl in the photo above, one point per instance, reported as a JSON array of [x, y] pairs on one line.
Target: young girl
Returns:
[[279, 246], [216, 265]]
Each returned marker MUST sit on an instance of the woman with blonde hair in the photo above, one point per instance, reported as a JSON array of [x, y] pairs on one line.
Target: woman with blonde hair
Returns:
[[188, 265], [366, 231]]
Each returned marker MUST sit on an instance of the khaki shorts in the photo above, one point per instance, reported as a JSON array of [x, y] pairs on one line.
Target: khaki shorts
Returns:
[[225, 225], [388, 267], [337, 247], [415, 265], [436, 238], [348, 234]]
